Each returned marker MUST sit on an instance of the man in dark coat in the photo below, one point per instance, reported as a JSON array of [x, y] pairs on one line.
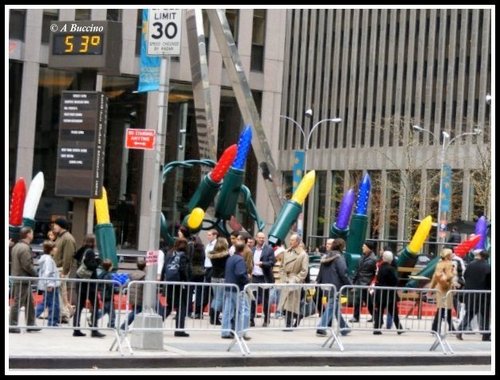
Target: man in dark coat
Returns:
[[477, 277], [383, 299], [364, 276], [263, 263]]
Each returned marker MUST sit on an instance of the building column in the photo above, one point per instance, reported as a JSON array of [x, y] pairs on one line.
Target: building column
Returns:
[[29, 95], [467, 196]]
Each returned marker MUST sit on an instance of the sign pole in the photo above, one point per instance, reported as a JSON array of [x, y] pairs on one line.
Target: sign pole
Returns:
[[149, 318], [162, 24]]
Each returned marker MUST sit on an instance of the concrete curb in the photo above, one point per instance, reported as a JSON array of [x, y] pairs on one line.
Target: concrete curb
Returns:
[[22, 362]]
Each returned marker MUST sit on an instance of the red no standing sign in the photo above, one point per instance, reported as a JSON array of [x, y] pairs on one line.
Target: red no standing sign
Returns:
[[140, 138]]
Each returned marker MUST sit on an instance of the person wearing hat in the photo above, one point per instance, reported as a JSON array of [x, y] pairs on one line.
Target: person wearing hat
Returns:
[[442, 281], [363, 277], [66, 264]]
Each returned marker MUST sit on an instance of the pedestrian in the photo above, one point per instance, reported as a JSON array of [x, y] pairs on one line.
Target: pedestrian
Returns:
[[198, 276], [49, 284], [478, 277], [333, 271], [293, 271], [364, 275], [107, 292], [386, 299], [87, 289], [218, 257], [22, 266], [176, 269], [262, 272], [208, 294], [67, 265], [135, 292], [442, 281], [235, 272], [454, 239]]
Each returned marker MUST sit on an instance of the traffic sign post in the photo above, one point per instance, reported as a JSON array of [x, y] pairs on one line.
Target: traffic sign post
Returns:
[[164, 39], [164, 32]]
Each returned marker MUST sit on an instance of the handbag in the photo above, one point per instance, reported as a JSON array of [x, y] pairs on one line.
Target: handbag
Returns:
[[83, 271]]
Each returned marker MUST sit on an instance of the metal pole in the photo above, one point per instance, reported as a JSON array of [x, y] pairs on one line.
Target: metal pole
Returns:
[[157, 183], [148, 318], [441, 228]]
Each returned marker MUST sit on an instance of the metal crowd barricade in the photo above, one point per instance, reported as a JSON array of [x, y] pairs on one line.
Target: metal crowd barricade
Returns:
[[175, 304], [469, 306], [84, 294], [416, 309], [310, 300]]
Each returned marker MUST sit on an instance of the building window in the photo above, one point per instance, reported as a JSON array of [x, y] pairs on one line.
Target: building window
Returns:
[[114, 15], [15, 81], [233, 18], [49, 16], [17, 24], [82, 14], [206, 31], [258, 40], [138, 33]]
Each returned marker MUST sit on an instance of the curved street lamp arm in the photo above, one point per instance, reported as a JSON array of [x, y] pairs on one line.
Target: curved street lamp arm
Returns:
[[337, 120], [297, 124], [420, 129], [462, 135]]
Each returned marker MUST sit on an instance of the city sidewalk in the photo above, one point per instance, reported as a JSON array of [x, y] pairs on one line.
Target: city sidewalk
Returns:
[[58, 349]]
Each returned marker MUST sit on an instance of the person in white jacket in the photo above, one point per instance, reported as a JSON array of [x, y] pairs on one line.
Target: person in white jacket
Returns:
[[49, 284]]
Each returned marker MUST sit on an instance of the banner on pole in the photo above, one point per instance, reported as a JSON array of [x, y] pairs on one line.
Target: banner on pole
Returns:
[[298, 168], [149, 74], [446, 190]]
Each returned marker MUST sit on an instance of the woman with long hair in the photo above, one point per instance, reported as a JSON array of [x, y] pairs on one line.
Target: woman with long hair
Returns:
[[87, 290]]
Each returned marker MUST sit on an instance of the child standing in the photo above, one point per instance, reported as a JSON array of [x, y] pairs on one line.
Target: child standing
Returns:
[[107, 292], [49, 284]]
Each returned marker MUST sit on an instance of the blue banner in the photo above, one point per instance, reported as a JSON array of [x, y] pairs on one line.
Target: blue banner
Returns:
[[446, 190], [149, 74], [298, 168]]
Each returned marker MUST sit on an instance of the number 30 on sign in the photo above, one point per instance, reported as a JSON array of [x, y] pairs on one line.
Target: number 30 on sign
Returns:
[[164, 32]]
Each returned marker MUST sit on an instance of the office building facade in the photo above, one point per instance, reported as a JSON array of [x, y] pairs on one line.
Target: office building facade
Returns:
[[380, 70]]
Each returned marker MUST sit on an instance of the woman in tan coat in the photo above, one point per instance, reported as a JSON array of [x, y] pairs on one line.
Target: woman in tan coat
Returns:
[[293, 271], [442, 281]]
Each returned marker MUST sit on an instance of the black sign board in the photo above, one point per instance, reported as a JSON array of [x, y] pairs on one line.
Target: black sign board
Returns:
[[86, 44], [82, 141]]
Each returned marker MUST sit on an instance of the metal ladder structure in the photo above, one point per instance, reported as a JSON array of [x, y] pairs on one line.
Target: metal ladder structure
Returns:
[[201, 92]]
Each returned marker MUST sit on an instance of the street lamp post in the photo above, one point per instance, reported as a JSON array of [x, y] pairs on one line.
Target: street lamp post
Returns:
[[307, 140], [442, 222]]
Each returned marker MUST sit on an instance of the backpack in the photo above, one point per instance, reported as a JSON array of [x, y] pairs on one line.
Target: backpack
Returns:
[[172, 267]]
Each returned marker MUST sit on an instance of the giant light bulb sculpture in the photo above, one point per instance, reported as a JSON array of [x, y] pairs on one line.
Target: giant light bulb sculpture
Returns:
[[104, 231], [340, 229], [211, 183], [481, 229], [233, 180], [32, 200], [408, 255], [358, 226], [291, 209], [16, 208]]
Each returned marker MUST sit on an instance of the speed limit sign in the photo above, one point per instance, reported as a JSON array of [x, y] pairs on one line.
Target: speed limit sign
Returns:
[[164, 32]]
